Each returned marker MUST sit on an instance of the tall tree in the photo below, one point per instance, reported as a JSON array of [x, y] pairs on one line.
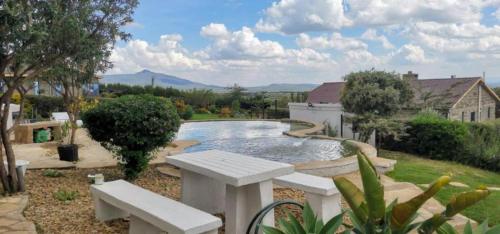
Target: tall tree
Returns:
[[373, 97], [38, 34]]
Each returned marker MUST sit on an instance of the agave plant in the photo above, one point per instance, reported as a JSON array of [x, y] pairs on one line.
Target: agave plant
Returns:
[[369, 213], [311, 225]]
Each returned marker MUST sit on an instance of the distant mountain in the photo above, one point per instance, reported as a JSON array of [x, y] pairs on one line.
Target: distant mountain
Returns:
[[283, 88], [146, 77]]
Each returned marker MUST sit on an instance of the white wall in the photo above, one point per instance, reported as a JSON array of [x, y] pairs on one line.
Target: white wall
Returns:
[[12, 108], [319, 113]]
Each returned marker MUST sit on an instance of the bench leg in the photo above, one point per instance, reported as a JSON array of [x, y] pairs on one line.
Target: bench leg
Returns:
[[105, 211], [139, 226], [243, 203], [325, 207], [202, 192]]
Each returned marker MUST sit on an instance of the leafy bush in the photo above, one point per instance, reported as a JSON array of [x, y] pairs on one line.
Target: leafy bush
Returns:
[[202, 110], [429, 135], [132, 127], [225, 112], [52, 173], [278, 113], [235, 107], [188, 113], [65, 195], [435, 137], [45, 105]]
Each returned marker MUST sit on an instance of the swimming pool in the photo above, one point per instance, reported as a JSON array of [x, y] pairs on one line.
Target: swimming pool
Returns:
[[262, 139]]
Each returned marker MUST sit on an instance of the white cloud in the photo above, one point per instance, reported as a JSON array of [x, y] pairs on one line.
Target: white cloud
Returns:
[[297, 16], [497, 13], [167, 55], [335, 41], [389, 12], [413, 54], [371, 34], [214, 30], [242, 44]]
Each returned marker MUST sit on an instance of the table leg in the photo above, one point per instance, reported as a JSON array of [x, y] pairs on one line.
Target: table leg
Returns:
[[202, 192], [243, 203]]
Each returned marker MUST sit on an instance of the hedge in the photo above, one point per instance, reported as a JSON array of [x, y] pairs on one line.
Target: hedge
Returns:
[[474, 144]]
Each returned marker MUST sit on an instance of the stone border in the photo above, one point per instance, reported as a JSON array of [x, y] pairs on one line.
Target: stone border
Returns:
[[12, 219], [342, 165]]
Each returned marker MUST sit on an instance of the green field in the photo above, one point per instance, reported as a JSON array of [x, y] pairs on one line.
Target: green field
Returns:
[[411, 168]]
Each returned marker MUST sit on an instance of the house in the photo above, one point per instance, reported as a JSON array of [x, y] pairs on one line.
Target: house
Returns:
[[463, 99], [466, 99]]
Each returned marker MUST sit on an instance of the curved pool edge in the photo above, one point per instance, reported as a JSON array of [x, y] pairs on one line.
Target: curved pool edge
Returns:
[[326, 168], [345, 165]]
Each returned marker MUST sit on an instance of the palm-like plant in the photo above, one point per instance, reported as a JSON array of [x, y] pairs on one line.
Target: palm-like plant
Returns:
[[369, 213], [311, 225]]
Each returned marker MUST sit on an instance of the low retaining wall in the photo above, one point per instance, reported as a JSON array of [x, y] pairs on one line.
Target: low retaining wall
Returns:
[[339, 166]]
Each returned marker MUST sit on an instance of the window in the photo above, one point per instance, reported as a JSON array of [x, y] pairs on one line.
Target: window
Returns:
[[473, 116], [489, 112], [463, 116]]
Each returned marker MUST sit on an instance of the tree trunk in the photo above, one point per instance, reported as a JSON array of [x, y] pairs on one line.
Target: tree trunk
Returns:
[[9, 152], [3, 173]]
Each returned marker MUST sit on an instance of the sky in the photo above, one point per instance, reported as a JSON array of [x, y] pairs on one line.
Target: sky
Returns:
[[259, 42]]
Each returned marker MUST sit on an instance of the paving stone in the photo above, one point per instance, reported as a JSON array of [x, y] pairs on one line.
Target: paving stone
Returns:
[[11, 215], [458, 184], [494, 188]]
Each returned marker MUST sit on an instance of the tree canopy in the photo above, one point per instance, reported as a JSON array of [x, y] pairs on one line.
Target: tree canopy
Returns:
[[375, 92]]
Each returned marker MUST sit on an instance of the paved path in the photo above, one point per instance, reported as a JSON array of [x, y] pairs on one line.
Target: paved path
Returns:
[[90, 152], [11, 216]]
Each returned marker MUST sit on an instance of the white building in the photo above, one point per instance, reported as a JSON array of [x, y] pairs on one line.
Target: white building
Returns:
[[323, 106]]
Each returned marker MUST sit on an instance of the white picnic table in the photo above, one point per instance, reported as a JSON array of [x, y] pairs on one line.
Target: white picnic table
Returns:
[[216, 181]]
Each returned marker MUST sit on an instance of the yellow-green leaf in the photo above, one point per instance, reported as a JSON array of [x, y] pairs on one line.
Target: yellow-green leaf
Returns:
[[353, 196], [401, 213], [464, 200], [373, 188]]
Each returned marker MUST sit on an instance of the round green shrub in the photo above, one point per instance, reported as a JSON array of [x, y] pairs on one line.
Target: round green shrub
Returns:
[[132, 127], [188, 113]]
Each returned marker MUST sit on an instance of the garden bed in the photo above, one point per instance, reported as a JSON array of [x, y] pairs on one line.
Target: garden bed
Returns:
[[51, 215]]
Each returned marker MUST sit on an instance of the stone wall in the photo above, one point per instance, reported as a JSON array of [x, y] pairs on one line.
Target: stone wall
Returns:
[[470, 104]]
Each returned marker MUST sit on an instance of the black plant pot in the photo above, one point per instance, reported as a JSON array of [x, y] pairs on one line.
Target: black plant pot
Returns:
[[68, 152]]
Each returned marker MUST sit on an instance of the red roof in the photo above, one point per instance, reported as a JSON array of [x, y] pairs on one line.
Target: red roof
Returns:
[[329, 92]]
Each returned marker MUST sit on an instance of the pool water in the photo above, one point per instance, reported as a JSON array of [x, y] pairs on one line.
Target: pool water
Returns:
[[263, 139]]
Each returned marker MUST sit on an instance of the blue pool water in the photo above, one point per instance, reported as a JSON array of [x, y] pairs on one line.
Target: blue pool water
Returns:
[[263, 139]]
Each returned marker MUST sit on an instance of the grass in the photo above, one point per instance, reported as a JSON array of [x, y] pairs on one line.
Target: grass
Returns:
[[417, 170], [205, 116], [65, 196]]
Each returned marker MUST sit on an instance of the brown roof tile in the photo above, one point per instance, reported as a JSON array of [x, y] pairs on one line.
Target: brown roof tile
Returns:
[[445, 91], [329, 92]]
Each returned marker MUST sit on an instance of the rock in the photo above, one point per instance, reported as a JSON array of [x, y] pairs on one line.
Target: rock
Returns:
[[170, 171]]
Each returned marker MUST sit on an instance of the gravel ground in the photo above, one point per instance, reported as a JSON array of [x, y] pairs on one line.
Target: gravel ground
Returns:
[[53, 216]]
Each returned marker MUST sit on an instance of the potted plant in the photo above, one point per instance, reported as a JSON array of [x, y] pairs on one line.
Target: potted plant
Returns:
[[67, 151]]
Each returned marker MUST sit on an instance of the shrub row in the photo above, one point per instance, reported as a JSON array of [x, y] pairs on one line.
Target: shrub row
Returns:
[[475, 144]]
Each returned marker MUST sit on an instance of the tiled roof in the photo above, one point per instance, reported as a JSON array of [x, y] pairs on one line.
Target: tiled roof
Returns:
[[447, 91], [329, 92]]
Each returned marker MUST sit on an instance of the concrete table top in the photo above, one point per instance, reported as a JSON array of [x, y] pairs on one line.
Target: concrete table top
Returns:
[[230, 168]]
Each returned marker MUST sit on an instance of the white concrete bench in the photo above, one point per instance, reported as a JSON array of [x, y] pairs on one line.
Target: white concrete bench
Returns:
[[149, 212], [320, 192]]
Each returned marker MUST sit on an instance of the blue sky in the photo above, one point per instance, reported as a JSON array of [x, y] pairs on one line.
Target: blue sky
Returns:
[[311, 41]]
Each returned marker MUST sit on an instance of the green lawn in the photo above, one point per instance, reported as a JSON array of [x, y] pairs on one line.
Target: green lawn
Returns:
[[205, 116], [411, 168]]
